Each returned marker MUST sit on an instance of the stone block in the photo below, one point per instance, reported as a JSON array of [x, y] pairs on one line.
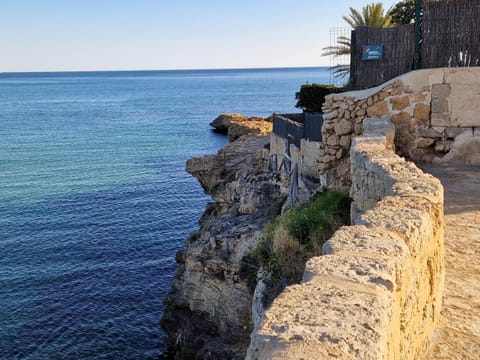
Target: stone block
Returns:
[[379, 272], [401, 118], [330, 158], [419, 97], [330, 115], [439, 106], [362, 240], [413, 225], [382, 95], [441, 91], [343, 127], [421, 113], [388, 88], [328, 125], [361, 112], [429, 132], [395, 92], [442, 119], [425, 142], [453, 132], [332, 150], [379, 109], [358, 128], [325, 318], [340, 153], [332, 140], [345, 141], [399, 102]]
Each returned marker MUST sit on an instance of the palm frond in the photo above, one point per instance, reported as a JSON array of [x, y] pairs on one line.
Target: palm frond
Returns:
[[371, 15], [336, 51], [340, 71]]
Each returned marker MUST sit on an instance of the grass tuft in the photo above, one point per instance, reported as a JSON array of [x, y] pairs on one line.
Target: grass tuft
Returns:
[[288, 242]]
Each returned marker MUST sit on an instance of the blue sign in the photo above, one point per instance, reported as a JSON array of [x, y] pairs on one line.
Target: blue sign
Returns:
[[372, 52]]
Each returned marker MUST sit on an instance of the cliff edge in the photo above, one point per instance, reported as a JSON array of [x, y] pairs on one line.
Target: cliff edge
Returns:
[[207, 312]]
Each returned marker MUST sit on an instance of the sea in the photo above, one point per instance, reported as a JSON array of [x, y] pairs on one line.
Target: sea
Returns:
[[95, 200]]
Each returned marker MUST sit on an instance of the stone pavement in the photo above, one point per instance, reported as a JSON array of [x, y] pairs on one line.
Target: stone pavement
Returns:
[[458, 336]]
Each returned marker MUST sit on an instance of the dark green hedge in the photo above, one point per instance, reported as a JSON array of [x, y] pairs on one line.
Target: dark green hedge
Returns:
[[312, 96]]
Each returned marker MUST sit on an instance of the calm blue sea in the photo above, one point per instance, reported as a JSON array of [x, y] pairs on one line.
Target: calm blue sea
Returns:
[[94, 199]]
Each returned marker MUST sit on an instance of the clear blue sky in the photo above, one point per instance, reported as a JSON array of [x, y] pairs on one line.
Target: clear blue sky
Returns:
[[59, 35]]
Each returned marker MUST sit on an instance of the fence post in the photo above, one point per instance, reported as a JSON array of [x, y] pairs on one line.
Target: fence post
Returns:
[[418, 29], [353, 44]]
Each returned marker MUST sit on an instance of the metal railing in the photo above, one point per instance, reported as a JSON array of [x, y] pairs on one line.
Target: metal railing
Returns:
[[290, 166]]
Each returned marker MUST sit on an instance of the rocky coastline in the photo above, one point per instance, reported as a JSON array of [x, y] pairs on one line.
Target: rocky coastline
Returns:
[[208, 311]]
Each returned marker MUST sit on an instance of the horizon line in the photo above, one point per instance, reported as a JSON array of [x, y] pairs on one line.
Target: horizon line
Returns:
[[152, 70]]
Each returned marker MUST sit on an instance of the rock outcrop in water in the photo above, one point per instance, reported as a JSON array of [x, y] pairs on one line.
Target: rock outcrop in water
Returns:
[[208, 310], [237, 125]]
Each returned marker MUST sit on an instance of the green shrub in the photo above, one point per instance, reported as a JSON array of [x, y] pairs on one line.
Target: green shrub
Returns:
[[321, 216], [288, 242], [312, 96]]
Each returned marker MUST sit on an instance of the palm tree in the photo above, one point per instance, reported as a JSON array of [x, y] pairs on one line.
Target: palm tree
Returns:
[[371, 15]]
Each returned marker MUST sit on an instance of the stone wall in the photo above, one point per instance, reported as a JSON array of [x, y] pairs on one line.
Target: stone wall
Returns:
[[436, 114], [376, 292], [307, 155], [303, 146]]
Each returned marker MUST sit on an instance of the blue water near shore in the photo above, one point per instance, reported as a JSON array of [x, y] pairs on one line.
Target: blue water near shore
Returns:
[[94, 199]]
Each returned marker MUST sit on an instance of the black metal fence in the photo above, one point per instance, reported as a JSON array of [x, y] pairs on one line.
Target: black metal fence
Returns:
[[295, 127], [448, 35]]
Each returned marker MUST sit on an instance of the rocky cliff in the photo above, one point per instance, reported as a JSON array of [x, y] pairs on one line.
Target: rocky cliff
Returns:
[[208, 310]]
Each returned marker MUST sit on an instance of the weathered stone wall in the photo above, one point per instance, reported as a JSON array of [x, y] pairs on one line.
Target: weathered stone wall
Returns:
[[307, 156], [376, 292], [436, 113]]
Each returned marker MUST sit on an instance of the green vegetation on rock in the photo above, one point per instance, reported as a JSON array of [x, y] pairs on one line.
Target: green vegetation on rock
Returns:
[[288, 242]]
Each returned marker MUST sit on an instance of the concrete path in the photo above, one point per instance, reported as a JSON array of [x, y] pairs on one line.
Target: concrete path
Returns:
[[458, 336]]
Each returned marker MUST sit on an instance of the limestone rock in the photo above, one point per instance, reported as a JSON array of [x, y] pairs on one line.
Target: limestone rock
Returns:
[[208, 311], [401, 118], [343, 127], [238, 129], [400, 103], [237, 125], [379, 109], [209, 170], [423, 143], [441, 91], [422, 113], [464, 150]]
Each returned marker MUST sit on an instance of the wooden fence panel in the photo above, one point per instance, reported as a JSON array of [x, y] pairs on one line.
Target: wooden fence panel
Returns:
[[450, 27], [398, 52]]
